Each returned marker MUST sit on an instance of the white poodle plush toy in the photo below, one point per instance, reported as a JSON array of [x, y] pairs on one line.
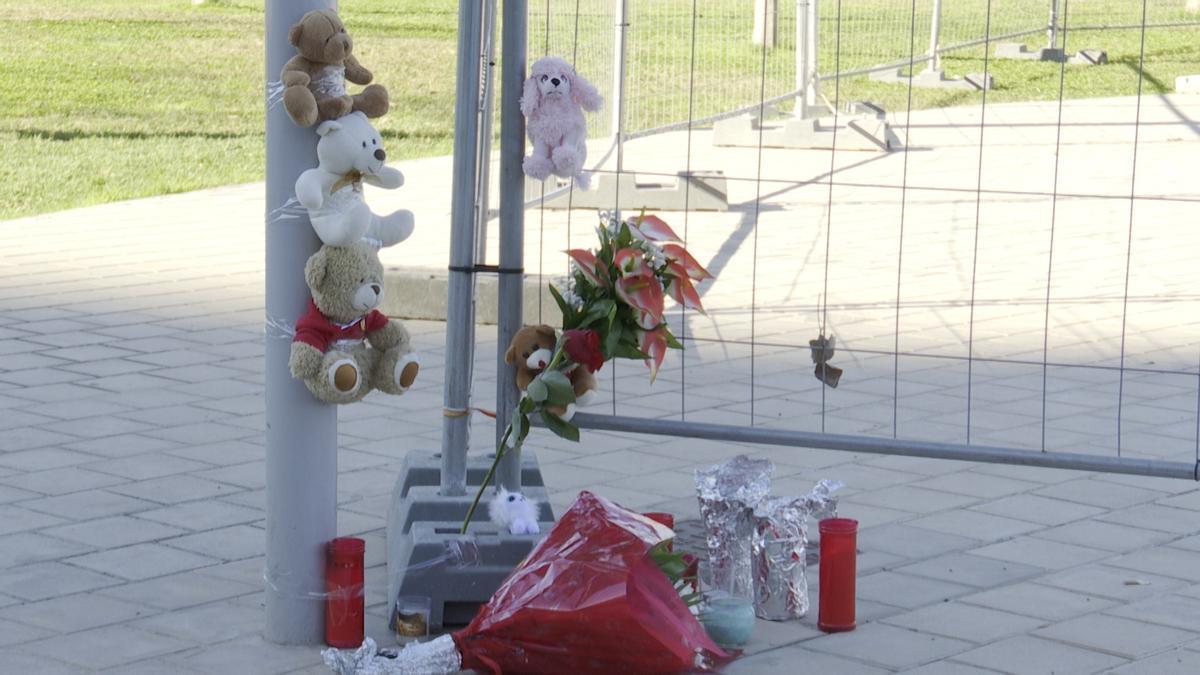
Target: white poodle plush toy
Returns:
[[513, 512], [553, 102]]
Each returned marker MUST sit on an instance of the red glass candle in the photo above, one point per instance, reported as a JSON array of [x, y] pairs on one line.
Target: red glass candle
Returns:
[[344, 592], [838, 565], [662, 518]]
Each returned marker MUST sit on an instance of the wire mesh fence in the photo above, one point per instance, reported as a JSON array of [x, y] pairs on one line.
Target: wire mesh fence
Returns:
[[1020, 275]]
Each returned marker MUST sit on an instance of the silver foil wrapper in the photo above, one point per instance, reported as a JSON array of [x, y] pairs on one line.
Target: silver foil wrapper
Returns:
[[779, 550], [728, 493], [437, 657]]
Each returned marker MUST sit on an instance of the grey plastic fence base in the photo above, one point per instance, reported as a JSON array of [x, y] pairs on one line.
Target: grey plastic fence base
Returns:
[[860, 132], [936, 79], [688, 191], [1084, 57], [420, 523]]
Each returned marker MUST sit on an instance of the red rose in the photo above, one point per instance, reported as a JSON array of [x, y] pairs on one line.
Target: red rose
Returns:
[[583, 347]]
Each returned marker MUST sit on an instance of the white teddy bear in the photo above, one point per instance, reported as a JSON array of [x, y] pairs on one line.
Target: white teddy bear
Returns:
[[350, 153], [512, 511]]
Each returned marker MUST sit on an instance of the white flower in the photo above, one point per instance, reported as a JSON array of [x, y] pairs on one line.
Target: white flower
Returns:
[[572, 299]]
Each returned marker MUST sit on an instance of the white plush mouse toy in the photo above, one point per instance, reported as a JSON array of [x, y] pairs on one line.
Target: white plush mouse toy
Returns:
[[350, 153], [511, 510]]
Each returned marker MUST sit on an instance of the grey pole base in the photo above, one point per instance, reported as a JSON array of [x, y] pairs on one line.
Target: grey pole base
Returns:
[[689, 191], [936, 79], [869, 132], [1084, 57], [420, 523]]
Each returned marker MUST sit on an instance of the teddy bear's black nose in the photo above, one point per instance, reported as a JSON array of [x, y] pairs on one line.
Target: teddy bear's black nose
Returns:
[[380, 154], [376, 288], [554, 81], [346, 45]]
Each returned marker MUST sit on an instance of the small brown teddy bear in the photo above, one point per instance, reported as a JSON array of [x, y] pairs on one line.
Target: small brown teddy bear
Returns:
[[345, 347], [531, 350], [315, 79]]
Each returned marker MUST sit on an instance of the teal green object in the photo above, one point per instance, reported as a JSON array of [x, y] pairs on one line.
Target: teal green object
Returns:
[[728, 621]]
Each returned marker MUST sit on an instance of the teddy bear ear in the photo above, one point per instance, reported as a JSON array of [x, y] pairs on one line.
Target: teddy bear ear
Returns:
[[511, 354], [314, 269], [547, 331], [327, 127], [295, 33]]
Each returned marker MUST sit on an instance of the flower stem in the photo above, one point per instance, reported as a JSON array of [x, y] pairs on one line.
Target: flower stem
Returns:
[[503, 445]]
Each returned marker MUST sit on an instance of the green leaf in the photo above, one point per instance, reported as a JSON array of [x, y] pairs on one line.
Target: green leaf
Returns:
[[519, 424], [559, 390], [560, 426], [610, 342], [568, 312], [537, 390], [624, 351], [672, 342]]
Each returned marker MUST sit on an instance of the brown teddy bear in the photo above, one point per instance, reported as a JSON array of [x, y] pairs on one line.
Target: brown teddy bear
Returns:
[[530, 352], [345, 347], [315, 79]]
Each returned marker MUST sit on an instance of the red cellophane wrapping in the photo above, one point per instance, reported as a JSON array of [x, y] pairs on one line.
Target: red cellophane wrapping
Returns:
[[589, 599]]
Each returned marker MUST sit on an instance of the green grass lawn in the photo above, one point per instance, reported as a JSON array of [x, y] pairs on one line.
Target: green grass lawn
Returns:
[[103, 100]]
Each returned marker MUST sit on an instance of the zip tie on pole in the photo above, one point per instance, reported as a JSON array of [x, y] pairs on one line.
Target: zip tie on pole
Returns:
[[275, 91], [493, 269], [289, 210], [279, 329], [463, 412]]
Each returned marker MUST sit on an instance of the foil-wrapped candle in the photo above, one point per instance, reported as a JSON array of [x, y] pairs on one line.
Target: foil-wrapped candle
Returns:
[[728, 492]]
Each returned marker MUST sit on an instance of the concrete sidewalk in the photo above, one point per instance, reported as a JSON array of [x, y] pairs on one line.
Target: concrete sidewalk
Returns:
[[131, 459]]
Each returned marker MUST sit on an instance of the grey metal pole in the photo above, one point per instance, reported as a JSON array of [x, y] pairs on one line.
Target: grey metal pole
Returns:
[[1052, 27], [935, 30], [301, 434], [460, 301], [512, 225], [487, 70], [803, 81], [620, 12]]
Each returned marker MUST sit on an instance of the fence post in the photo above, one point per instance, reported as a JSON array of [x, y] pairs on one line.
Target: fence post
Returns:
[[487, 68], [1052, 27], [460, 301], [935, 29], [802, 79], [301, 433], [512, 226], [814, 26], [620, 9], [766, 22]]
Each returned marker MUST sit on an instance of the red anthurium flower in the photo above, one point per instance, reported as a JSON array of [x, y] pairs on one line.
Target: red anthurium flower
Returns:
[[630, 262], [654, 343], [644, 293], [679, 254], [655, 229], [582, 345], [681, 290], [591, 267]]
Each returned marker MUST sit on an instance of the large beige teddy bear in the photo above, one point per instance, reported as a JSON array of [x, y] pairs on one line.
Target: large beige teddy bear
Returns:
[[345, 347], [315, 79]]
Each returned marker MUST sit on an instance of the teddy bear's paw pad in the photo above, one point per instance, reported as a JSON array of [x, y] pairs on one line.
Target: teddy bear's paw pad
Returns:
[[406, 371], [343, 375]]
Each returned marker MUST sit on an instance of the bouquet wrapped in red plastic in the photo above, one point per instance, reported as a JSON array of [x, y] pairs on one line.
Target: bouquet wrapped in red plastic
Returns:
[[588, 599]]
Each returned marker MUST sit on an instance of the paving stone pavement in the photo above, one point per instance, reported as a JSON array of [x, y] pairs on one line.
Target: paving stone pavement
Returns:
[[131, 412]]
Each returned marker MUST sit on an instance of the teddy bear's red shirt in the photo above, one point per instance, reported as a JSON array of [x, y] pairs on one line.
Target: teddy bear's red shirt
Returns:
[[315, 329]]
